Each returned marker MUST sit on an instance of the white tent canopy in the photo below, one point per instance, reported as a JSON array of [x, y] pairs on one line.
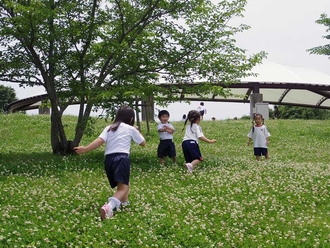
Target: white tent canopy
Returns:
[[281, 85], [273, 72]]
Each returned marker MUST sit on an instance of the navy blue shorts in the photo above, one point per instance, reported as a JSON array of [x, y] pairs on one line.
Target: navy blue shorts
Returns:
[[166, 148], [191, 151], [117, 167], [258, 151]]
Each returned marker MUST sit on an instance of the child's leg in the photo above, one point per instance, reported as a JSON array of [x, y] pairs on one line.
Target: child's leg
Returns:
[[114, 202], [195, 162], [121, 194], [125, 199], [162, 161], [174, 159], [258, 158], [190, 166]]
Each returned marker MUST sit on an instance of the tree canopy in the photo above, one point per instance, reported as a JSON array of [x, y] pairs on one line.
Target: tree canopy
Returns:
[[7, 95], [325, 49], [104, 53]]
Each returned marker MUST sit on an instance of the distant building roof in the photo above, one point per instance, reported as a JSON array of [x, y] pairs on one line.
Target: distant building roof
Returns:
[[279, 84]]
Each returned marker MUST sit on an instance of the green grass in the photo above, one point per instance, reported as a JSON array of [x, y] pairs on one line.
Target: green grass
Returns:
[[229, 201]]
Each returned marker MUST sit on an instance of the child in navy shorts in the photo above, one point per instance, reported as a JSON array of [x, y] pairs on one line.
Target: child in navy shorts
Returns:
[[193, 134], [259, 134], [118, 138], [165, 130]]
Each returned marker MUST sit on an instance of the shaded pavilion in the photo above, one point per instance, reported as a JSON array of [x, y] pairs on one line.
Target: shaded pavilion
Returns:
[[275, 84]]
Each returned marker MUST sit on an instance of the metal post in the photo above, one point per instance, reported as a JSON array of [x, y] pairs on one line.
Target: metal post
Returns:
[[254, 98]]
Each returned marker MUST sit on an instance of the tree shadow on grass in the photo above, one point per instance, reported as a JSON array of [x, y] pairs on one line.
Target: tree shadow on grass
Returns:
[[45, 163]]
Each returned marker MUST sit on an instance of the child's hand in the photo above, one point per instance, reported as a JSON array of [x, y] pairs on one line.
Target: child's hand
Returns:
[[79, 149], [249, 142], [168, 129], [213, 141]]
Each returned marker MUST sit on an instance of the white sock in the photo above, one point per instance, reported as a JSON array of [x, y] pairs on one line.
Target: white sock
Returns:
[[114, 203]]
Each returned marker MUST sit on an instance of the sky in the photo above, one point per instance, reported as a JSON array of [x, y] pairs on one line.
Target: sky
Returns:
[[284, 29]]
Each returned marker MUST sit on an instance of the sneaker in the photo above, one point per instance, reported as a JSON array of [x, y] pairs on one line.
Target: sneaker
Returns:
[[189, 167], [106, 212], [125, 204]]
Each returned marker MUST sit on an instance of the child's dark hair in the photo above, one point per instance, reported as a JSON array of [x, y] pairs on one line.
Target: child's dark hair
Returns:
[[163, 112], [124, 114], [202, 103], [254, 117], [193, 116]]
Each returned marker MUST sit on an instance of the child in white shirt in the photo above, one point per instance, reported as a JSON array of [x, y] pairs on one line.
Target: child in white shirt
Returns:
[[259, 134], [165, 130], [193, 134], [118, 138]]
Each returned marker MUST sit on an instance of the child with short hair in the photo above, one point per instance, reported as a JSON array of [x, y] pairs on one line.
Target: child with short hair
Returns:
[[118, 137], [166, 145], [193, 134], [202, 110], [259, 134]]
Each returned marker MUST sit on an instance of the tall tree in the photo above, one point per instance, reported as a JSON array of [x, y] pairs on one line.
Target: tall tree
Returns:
[[102, 53], [325, 49], [7, 95]]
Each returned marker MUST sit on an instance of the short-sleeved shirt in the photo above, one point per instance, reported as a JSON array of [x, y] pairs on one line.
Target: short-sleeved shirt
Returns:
[[259, 135], [201, 109], [120, 140], [193, 132], [165, 135]]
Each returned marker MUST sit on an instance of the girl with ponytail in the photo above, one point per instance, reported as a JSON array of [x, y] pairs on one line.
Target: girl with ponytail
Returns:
[[193, 134]]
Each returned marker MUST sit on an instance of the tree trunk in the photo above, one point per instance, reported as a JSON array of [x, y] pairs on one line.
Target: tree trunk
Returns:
[[60, 144], [82, 122], [148, 112]]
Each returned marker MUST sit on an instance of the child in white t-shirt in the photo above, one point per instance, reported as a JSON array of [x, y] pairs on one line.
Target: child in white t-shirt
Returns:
[[202, 110], [193, 134], [165, 130], [118, 138], [259, 134]]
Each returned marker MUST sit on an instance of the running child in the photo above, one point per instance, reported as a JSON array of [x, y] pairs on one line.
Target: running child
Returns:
[[193, 134], [117, 138], [202, 110]]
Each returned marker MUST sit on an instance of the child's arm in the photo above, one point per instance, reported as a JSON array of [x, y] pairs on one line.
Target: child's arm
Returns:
[[169, 129], [203, 138], [249, 141], [136, 140], [267, 134], [143, 143], [166, 128], [95, 144]]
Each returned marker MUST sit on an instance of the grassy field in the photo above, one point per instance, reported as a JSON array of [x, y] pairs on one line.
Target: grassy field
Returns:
[[230, 201]]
